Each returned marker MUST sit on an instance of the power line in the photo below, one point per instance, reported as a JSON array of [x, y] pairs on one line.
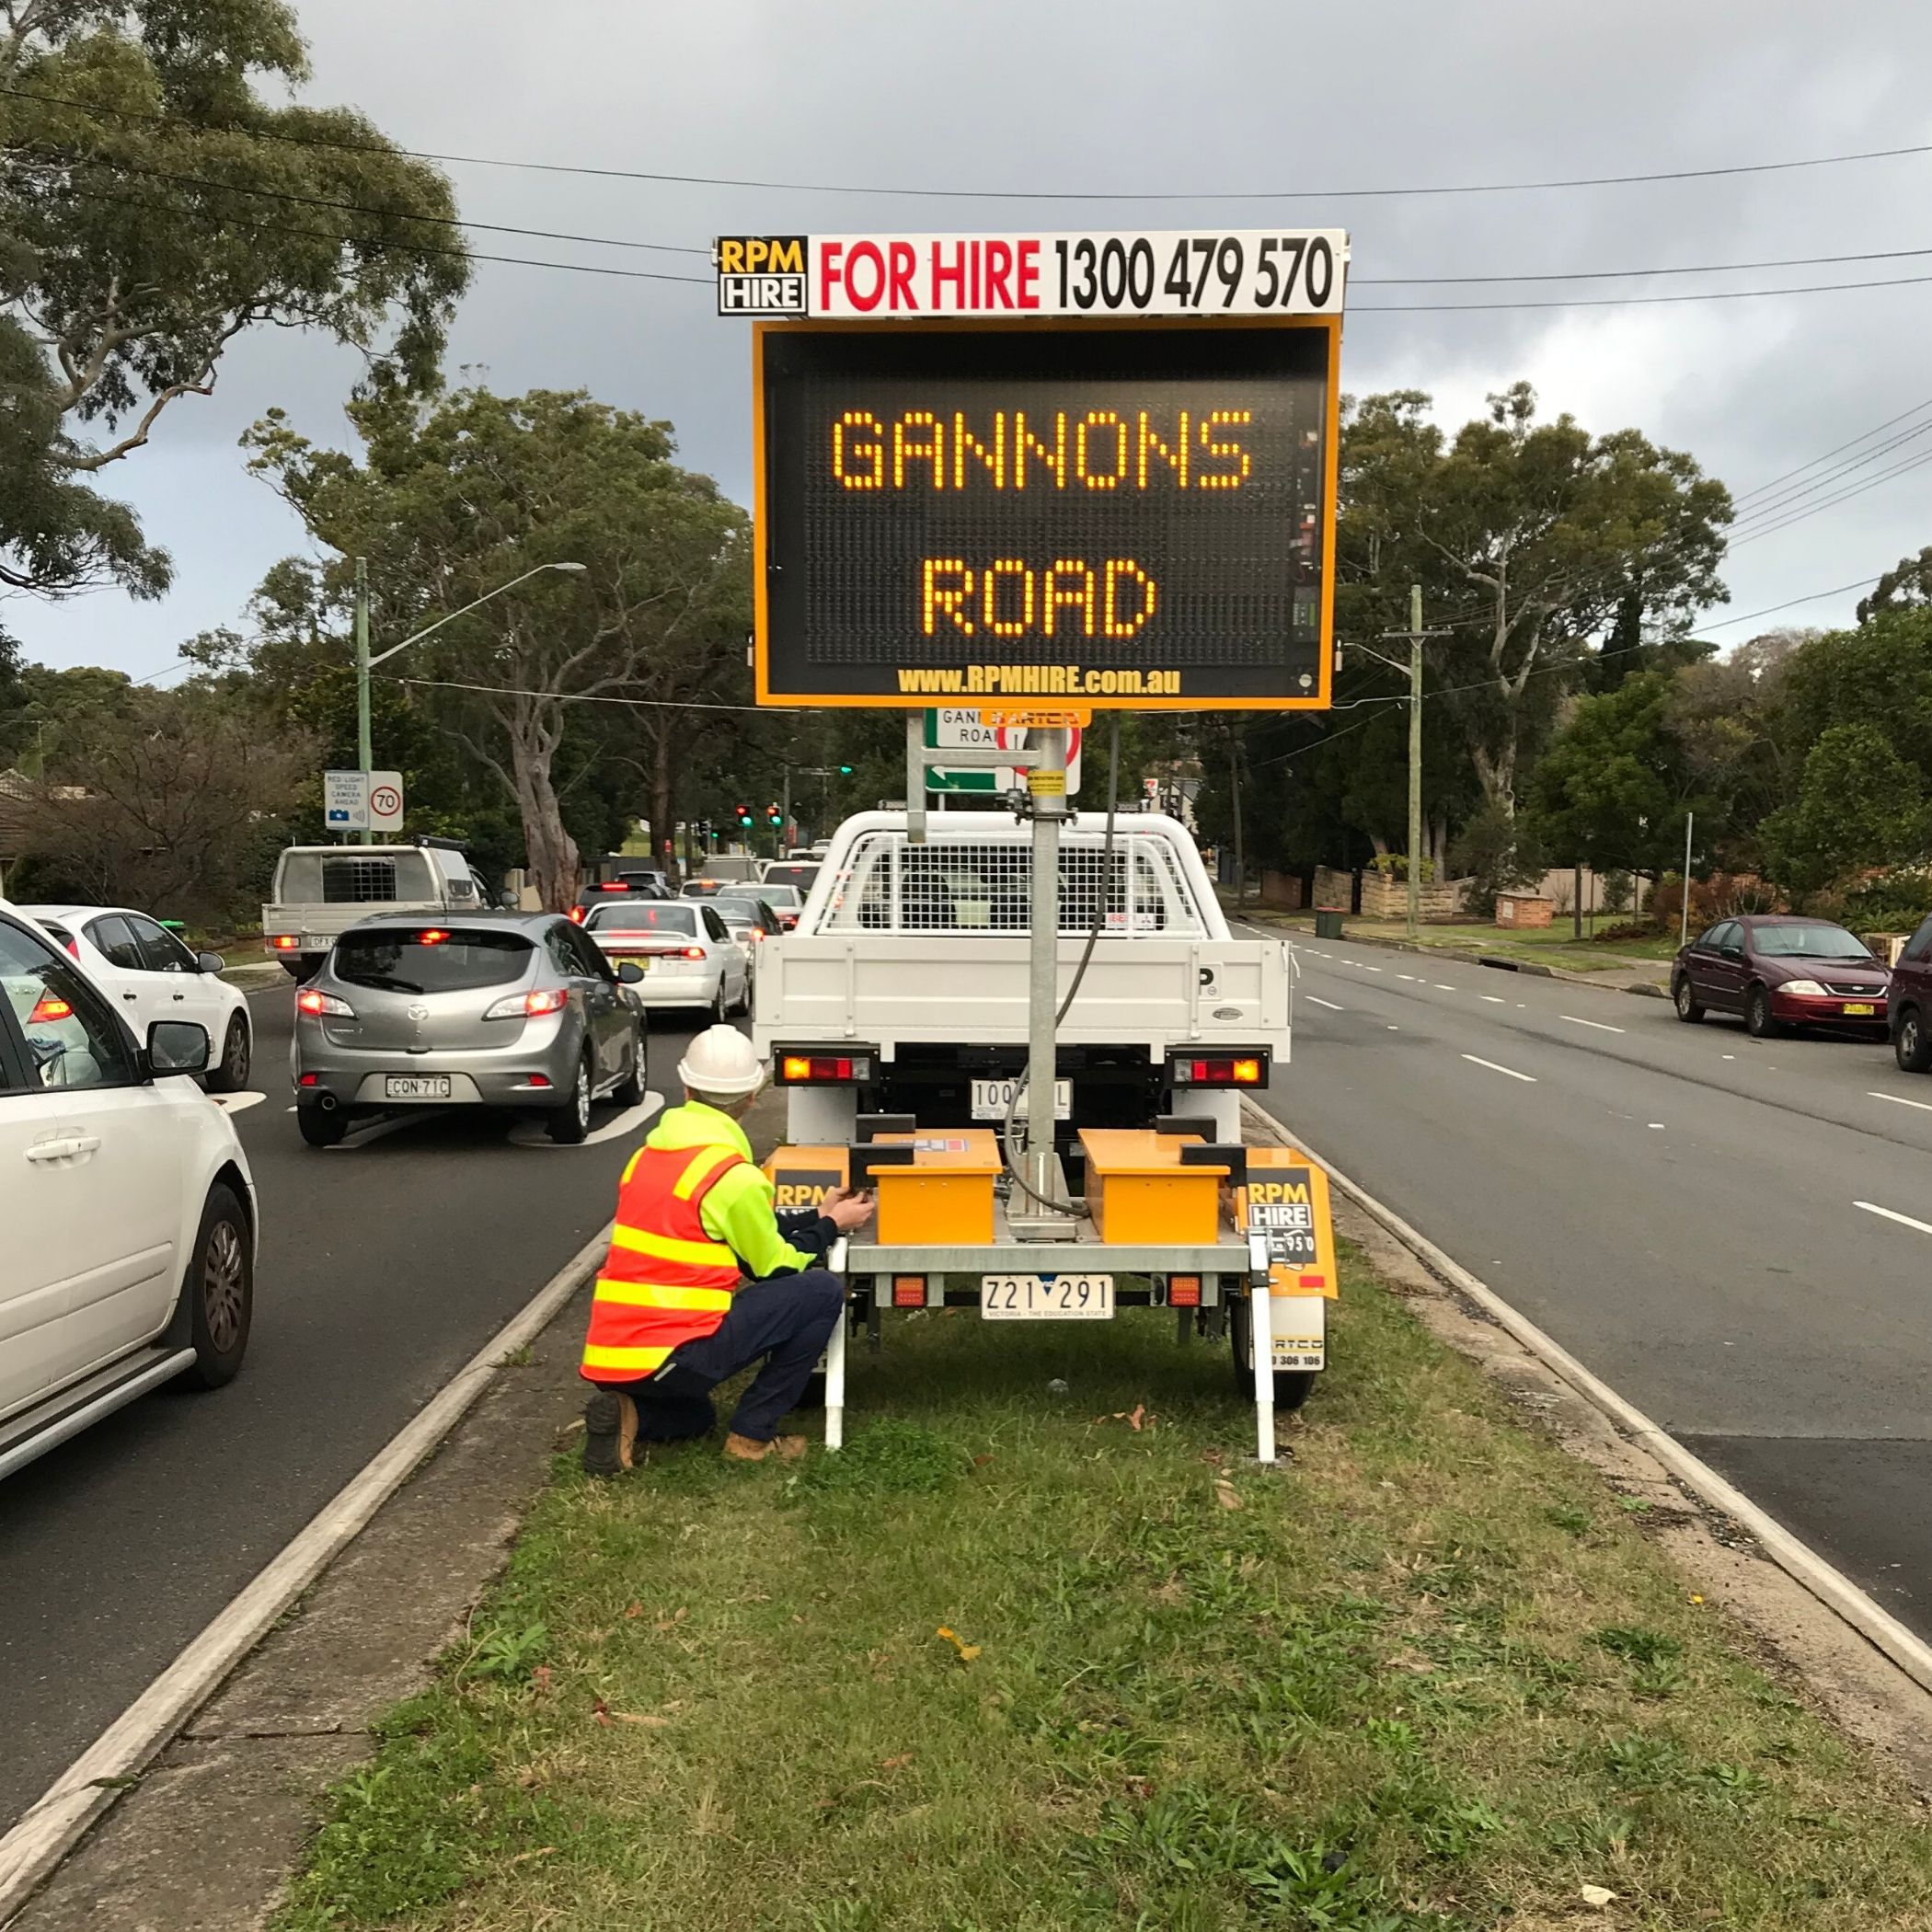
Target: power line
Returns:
[[1772, 507], [1844, 496], [1774, 481], [584, 698], [996, 194]]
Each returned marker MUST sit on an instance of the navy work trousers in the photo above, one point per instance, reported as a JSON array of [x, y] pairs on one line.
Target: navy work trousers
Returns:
[[786, 1320]]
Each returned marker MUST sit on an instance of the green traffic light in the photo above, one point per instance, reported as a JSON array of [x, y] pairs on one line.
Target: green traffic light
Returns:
[[845, 771]]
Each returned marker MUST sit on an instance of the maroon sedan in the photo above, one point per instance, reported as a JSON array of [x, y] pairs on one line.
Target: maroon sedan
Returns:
[[1781, 970]]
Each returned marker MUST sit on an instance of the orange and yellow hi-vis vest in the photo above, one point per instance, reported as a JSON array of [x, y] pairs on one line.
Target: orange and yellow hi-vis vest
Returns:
[[665, 1281]]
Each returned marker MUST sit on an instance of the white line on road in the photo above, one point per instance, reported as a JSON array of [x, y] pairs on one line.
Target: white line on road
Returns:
[[1440, 988], [1372, 969], [1602, 1026], [1327, 1003], [1528, 1079], [1393, 1028], [1871, 1207], [1405, 975], [1898, 1100], [1495, 999]]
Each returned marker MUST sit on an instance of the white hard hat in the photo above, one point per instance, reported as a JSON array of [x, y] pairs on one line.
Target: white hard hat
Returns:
[[722, 1061]]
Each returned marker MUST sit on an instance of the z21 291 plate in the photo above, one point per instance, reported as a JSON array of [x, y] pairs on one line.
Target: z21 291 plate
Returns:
[[1046, 1297]]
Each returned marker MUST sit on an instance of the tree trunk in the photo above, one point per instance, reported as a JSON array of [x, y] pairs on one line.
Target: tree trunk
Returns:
[[663, 797], [1496, 772], [551, 851]]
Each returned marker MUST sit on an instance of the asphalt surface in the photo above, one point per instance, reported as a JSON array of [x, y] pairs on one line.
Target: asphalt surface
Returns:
[[1736, 1235], [385, 1264]]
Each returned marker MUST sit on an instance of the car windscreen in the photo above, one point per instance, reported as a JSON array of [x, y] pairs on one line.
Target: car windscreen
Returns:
[[1807, 942], [431, 959], [784, 896], [799, 875], [642, 916]]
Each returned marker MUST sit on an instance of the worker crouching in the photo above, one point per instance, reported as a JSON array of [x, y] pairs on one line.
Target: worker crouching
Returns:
[[704, 1276]]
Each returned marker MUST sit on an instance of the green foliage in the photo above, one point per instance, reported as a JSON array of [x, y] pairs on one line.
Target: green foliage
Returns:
[[887, 1457], [1906, 586], [1859, 804], [1495, 852], [155, 208], [1894, 902], [1610, 791]]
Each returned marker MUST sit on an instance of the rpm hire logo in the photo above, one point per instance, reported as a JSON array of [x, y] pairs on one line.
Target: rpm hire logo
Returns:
[[760, 274]]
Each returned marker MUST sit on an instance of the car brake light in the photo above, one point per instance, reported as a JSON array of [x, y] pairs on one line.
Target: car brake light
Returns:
[[577, 915], [1183, 1291], [692, 952], [613, 885], [50, 1006], [435, 936], [533, 1004], [285, 942], [801, 1069], [73, 951], [908, 1290], [758, 932], [311, 999]]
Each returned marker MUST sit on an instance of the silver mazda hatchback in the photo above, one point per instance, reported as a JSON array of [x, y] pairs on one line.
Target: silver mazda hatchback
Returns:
[[512, 1010]]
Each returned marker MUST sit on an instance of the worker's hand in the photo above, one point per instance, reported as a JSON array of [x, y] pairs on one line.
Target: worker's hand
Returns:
[[848, 1208]]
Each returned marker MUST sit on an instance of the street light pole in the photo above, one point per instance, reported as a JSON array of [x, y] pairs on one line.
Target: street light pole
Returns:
[[364, 663], [1683, 911]]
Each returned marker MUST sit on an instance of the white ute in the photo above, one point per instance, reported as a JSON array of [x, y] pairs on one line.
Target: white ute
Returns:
[[904, 987]]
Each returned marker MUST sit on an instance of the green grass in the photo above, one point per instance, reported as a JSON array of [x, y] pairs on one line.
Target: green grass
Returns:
[[1425, 1674]]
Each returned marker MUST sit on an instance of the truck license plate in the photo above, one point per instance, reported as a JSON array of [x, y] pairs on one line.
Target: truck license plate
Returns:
[[991, 1098], [1046, 1297], [417, 1087]]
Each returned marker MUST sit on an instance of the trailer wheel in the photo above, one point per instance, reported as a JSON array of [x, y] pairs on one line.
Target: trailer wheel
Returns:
[[1292, 1386]]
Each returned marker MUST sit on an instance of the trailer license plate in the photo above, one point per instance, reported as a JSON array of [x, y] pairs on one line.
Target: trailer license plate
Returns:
[[991, 1098], [1046, 1297], [417, 1087]]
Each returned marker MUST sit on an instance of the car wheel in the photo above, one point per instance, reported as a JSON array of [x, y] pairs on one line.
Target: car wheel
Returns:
[[230, 1073], [629, 1091], [1688, 1010], [1292, 1386], [1912, 1044], [319, 1129], [220, 1289], [720, 1011], [1758, 1021], [571, 1124]]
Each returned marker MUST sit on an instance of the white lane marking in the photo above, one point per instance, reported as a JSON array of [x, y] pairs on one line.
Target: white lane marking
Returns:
[[1657, 1124], [534, 1134], [1440, 988], [1327, 1003], [1871, 1207], [1521, 1005], [1372, 969], [1730, 1057], [1528, 1079], [1898, 1100], [1602, 1026], [237, 1103], [1405, 975], [1494, 999], [1395, 1029]]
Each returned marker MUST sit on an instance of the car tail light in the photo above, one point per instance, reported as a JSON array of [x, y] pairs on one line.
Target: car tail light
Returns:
[[434, 936], [50, 1006], [908, 1290], [1236, 1070], [807, 1069], [533, 1004], [1183, 1291], [577, 915], [690, 953], [285, 942], [758, 932], [311, 999], [613, 885]]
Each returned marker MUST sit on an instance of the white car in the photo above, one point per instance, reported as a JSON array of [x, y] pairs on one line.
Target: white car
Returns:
[[151, 975], [688, 954], [129, 1210]]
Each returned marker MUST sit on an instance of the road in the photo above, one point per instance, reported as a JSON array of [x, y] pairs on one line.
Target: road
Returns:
[[386, 1263], [1736, 1235]]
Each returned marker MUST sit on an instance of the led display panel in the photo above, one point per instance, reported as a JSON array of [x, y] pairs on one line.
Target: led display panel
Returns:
[[1126, 514]]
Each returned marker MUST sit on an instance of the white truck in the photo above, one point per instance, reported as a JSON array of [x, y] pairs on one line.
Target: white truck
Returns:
[[903, 987], [321, 890]]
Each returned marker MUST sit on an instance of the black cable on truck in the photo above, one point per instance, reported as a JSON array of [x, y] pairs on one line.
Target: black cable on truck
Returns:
[[1093, 934]]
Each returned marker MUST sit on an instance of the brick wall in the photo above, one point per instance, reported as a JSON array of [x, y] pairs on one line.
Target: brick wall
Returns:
[[1384, 897], [1521, 909]]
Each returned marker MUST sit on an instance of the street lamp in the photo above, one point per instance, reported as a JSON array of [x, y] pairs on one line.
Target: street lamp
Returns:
[[364, 663]]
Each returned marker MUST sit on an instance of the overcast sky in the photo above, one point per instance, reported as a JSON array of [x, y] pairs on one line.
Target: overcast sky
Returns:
[[1124, 96]]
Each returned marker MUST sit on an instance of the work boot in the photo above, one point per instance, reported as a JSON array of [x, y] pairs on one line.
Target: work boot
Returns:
[[749, 1449], [610, 1429]]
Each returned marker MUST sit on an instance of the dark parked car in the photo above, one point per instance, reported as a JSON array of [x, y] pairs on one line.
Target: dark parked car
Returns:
[[1779, 971], [1912, 1003]]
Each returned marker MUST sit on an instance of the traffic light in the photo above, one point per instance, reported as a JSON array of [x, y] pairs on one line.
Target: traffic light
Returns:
[[845, 771], [744, 814], [773, 816]]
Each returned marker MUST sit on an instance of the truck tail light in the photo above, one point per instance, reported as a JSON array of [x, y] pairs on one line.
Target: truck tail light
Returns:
[[823, 1069], [1183, 1291], [908, 1290], [311, 999], [1233, 1070], [285, 942], [530, 1006]]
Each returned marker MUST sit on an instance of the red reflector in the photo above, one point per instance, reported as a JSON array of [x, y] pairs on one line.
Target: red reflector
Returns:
[[1184, 1291], [50, 1006], [435, 936], [307, 1080], [908, 1290], [1314, 1280], [537, 1080]]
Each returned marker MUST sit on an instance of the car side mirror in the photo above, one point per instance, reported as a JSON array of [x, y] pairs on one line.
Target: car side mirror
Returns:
[[209, 962], [629, 973], [176, 1046]]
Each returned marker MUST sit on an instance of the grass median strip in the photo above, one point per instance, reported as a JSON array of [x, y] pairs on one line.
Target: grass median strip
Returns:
[[1024, 1657]]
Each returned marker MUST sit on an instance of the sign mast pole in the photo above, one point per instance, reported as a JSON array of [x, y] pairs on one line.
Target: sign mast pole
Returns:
[[1046, 784]]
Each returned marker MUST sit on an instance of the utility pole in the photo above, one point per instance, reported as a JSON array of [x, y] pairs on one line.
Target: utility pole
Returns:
[[1415, 637], [1683, 912], [365, 759], [1234, 774], [784, 814]]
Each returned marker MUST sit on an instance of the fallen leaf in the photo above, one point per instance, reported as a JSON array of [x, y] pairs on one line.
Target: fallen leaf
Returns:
[[639, 1716], [634, 1610], [669, 1623], [601, 1711], [540, 1676], [896, 1763], [968, 1651], [1596, 1894], [1133, 1420], [979, 1462], [1225, 1494], [543, 1851]]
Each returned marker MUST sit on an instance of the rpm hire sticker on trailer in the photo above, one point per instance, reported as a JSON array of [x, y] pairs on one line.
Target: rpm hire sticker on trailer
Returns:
[[1287, 1202]]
